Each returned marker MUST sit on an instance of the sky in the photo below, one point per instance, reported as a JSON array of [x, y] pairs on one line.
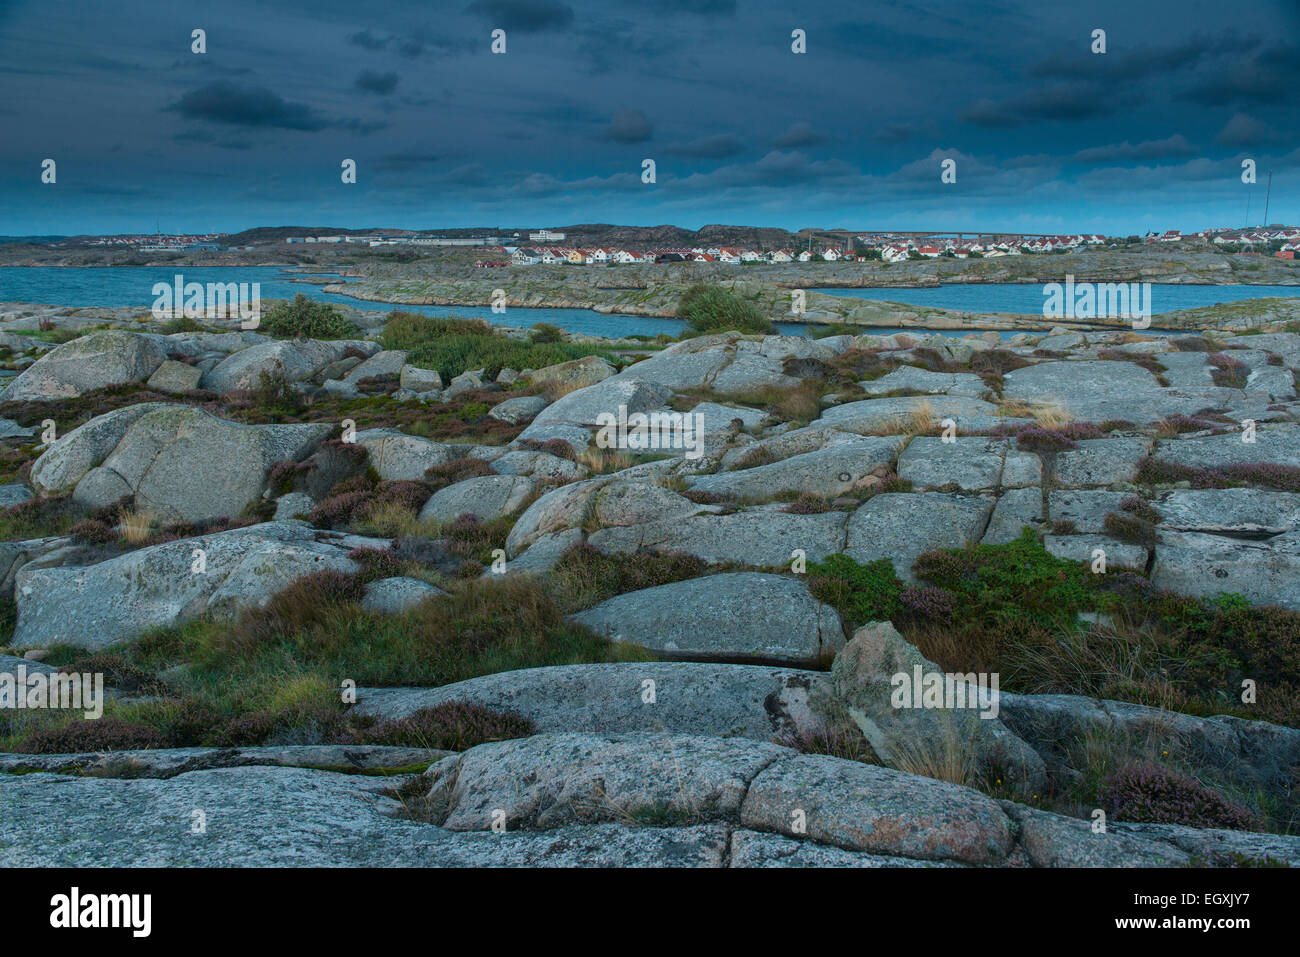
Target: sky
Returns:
[[1046, 135]]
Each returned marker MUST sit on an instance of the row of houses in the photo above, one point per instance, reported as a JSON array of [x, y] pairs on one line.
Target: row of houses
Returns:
[[1225, 235], [894, 250]]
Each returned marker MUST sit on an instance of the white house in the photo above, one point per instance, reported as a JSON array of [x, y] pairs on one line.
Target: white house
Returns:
[[893, 254]]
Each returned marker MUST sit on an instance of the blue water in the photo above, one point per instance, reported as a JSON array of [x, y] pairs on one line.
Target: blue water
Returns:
[[1027, 298], [133, 286]]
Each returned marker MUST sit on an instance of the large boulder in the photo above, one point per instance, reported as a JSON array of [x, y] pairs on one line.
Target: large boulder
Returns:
[[179, 462], [587, 406], [296, 360], [576, 374], [876, 685], [101, 359], [69, 458], [94, 606], [738, 615], [487, 497], [397, 456]]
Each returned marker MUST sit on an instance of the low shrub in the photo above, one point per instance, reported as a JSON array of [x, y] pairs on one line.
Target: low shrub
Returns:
[[708, 308], [859, 592], [1146, 792], [102, 734], [451, 726], [304, 316]]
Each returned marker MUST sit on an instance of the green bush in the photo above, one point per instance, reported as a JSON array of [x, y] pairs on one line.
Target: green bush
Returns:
[[407, 330], [306, 317], [453, 354], [860, 593], [1019, 579], [707, 308], [544, 332]]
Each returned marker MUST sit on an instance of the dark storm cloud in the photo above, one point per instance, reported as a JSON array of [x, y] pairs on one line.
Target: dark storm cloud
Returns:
[[247, 106], [411, 45], [1167, 148], [1062, 101], [1270, 75], [1121, 64], [1244, 130], [709, 147], [1046, 134], [704, 8], [523, 16], [799, 134], [381, 83], [368, 40], [629, 126], [406, 161]]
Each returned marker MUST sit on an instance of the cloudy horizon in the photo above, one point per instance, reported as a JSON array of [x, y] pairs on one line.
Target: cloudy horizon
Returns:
[[1046, 135]]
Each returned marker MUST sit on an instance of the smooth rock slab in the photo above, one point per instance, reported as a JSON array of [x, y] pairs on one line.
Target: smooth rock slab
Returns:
[[759, 537], [969, 462], [556, 780], [1279, 444], [1229, 510], [1266, 572], [294, 817], [1016, 510], [971, 415], [1087, 509], [398, 456], [105, 358], [827, 472], [902, 525], [716, 700], [1101, 461], [923, 380], [864, 807], [1081, 548], [727, 616]]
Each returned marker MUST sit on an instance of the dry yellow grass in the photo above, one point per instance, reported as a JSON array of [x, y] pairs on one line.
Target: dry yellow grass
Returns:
[[919, 421], [136, 525], [1049, 414], [601, 461], [948, 755]]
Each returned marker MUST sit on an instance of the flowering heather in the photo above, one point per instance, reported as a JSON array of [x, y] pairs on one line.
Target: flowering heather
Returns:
[[808, 504], [1131, 529], [1282, 478], [1178, 424], [1045, 440], [1229, 372], [929, 603], [452, 726], [1140, 507], [1145, 792]]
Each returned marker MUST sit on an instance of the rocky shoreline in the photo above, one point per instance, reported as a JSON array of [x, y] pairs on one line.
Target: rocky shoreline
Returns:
[[553, 653]]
